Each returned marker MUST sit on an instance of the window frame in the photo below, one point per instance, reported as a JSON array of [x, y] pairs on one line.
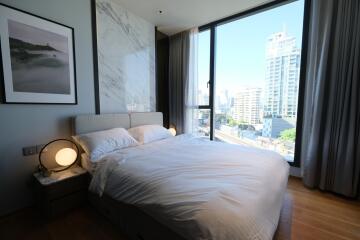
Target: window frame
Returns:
[[210, 106], [265, 7]]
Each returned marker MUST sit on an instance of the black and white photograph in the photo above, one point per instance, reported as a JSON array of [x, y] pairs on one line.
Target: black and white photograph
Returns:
[[39, 60], [37, 56]]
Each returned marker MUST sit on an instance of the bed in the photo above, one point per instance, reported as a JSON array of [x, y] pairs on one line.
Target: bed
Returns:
[[186, 187]]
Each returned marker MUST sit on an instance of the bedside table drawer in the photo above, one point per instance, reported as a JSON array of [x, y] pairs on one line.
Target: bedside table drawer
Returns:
[[61, 191], [61, 205], [66, 187]]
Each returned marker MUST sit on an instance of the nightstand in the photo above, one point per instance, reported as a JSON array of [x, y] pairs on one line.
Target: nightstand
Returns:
[[61, 191]]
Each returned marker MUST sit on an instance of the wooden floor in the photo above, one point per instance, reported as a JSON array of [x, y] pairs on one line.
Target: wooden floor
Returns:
[[315, 215], [318, 215]]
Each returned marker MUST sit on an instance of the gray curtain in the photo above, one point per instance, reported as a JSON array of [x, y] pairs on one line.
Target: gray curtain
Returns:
[[178, 72], [331, 128]]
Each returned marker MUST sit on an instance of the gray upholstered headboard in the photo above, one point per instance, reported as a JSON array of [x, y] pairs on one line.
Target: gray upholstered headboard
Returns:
[[147, 118], [92, 123]]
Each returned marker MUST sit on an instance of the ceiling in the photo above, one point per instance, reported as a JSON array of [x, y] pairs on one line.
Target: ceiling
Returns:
[[179, 15]]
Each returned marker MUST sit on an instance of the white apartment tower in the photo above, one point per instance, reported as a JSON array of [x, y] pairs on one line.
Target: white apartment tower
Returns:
[[281, 76], [247, 105]]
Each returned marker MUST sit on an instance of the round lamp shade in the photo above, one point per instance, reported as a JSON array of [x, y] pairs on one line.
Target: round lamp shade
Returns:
[[65, 157], [57, 156]]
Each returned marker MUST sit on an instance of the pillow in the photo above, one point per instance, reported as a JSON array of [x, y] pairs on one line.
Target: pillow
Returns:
[[149, 133], [96, 144]]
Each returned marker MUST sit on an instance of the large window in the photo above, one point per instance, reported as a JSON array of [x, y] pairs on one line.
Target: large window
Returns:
[[255, 76]]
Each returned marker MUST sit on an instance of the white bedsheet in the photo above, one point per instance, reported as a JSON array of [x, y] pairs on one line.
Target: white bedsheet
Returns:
[[87, 164], [199, 188]]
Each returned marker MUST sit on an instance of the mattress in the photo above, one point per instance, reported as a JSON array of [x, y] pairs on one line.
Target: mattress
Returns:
[[200, 189]]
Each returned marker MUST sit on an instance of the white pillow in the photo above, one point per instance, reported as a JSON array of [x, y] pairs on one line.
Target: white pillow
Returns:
[[149, 133], [96, 144]]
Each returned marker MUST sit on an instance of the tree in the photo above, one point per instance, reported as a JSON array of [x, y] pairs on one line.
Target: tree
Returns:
[[288, 135], [220, 118], [232, 122]]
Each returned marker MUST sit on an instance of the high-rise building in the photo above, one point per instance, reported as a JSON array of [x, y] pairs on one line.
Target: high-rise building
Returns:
[[281, 76], [247, 105], [222, 101]]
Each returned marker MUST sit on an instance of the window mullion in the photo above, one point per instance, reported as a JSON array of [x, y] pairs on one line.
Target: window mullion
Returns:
[[212, 79]]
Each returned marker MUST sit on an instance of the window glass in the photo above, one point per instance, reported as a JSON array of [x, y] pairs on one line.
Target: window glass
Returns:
[[257, 68]]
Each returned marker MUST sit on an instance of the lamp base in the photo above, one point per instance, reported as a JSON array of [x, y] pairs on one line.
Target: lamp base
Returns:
[[44, 172]]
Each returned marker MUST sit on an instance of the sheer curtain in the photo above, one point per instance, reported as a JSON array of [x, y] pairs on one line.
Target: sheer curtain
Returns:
[[178, 72], [191, 84], [183, 80]]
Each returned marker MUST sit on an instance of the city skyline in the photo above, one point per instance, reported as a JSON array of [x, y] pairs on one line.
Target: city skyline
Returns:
[[256, 79], [279, 96], [241, 57]]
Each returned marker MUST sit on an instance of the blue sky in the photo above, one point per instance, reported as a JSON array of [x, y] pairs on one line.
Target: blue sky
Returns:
[[241, 45]]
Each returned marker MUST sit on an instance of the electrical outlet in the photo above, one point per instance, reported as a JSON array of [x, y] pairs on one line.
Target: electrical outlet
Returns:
[[27, 151]]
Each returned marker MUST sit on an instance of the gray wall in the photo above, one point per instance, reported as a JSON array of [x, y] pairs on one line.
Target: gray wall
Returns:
[[27, 125]]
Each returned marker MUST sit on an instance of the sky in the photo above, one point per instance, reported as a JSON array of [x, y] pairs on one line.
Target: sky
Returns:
[[241, 45]]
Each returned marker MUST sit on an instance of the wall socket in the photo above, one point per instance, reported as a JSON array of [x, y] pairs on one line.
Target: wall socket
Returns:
[[28, 151], [32, 150]]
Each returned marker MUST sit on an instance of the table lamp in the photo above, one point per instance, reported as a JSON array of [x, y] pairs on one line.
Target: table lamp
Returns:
[[172, 129], [64, 156]]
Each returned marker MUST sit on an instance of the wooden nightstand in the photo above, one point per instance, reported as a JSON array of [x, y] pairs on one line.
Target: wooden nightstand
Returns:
[[61, 191]]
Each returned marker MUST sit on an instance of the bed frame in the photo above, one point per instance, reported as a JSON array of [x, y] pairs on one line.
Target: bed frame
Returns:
[[131, 220]]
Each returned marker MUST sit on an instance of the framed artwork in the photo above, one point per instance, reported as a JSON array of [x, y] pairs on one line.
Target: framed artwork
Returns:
[[37, 59]]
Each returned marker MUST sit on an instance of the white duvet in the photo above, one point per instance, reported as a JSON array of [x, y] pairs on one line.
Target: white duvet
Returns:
[[199, 188]]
